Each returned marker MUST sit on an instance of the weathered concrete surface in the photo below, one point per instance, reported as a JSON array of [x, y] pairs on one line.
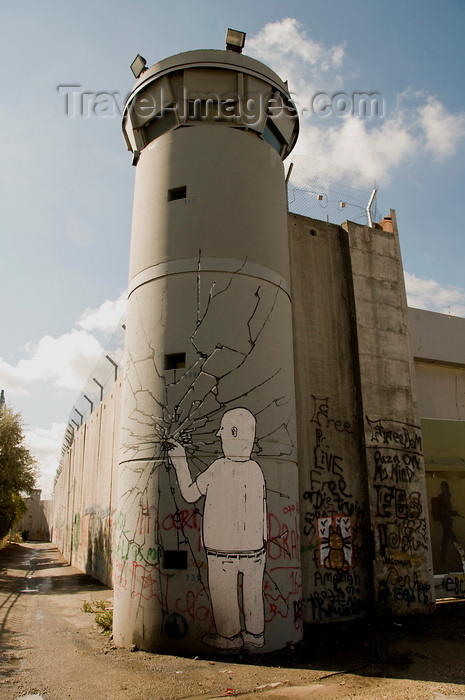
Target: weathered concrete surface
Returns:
[[51, 649], [331, 470], [356, 408], [402, 563], [209, 330], [364, 511], [36, 521], [85, 492]]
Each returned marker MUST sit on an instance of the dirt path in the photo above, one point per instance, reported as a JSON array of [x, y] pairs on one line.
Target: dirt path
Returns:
[[50, 649]]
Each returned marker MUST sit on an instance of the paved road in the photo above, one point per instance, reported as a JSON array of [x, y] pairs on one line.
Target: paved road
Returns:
[[51, 650]]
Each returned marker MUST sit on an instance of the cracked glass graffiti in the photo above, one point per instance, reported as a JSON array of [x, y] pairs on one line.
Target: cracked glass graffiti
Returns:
[[234, 330]]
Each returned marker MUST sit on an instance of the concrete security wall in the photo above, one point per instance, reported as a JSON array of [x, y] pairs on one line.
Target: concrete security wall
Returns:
[[402, 565], [35, 524], [333, 499], [364, 519], [85, 492], [205, 541], [364, 530]]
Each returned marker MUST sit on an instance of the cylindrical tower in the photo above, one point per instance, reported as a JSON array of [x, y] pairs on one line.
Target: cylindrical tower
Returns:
[[208, 551]]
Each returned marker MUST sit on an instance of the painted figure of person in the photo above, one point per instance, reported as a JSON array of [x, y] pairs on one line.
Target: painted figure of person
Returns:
[[444, 513], [234, 531]]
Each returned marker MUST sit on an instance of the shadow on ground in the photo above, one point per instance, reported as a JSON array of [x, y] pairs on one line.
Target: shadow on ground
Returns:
[[425, 648], [19, 563]]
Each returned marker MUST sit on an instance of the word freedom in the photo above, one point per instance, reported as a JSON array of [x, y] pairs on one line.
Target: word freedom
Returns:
[[79, 102]]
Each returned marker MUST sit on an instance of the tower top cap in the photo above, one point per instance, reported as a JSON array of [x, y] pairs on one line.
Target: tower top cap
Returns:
[[212, 58], [214, 87]]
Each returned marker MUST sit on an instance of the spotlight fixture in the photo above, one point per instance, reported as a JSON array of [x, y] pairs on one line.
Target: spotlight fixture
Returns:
[[342, 205], [235, 40], [138, 65]]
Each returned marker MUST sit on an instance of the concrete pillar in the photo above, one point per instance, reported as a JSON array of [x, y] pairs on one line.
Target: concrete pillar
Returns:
[[402, 566], [333, 493], [208, 538]]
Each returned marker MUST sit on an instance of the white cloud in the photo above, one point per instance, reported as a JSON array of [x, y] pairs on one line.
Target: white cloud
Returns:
[[11, 381], [64, 362], [377, 149], [417, 124], [105, 317], [431, 296], [286, 38], [45, 444], [353, 145], [286, 48], [337, 55], [442, 130]]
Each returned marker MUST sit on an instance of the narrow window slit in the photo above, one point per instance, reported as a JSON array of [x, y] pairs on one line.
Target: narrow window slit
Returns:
[[175, 361], [177, 193]]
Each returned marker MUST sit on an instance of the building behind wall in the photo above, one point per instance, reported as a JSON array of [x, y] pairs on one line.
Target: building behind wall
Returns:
[[438, 346]]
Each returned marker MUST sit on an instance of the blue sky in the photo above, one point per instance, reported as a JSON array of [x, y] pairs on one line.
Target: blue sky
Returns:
[[66, 182]]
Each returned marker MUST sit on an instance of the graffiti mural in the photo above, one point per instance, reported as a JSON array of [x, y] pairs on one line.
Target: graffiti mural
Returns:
[[234, 530], [443, 512], [335, 537], [395, 464], [334, 527], [210, 512]]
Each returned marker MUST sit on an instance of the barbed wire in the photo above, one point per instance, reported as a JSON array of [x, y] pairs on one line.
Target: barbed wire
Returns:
[[325, 191]]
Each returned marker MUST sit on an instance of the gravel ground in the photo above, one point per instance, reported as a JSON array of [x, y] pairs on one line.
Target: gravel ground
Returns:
[[51, 649]]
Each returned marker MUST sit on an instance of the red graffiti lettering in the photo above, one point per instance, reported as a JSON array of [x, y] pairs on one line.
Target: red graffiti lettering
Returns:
[[195, 605], [283, 538], [187, 518]]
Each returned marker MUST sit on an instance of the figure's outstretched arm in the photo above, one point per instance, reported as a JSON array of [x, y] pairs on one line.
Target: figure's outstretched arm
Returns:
[[177, 455]]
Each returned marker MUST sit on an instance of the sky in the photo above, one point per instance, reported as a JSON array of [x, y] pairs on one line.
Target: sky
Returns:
[[66, 180]]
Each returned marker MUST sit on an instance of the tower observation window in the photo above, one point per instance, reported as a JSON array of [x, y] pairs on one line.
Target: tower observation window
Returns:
[[177, 193], [271, 136], [162, 123], [175, 361], [174, 559]]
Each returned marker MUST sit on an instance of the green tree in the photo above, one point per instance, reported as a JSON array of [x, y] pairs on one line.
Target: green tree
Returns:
[[18, 469]]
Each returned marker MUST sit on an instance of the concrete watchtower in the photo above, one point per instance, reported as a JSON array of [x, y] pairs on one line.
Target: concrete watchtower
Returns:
[[208, 548]]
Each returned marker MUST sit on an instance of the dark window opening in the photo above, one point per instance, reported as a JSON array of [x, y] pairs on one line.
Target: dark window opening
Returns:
[[174, 559], [175, 361], [272, 136], [177, 193], [162, 123]]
